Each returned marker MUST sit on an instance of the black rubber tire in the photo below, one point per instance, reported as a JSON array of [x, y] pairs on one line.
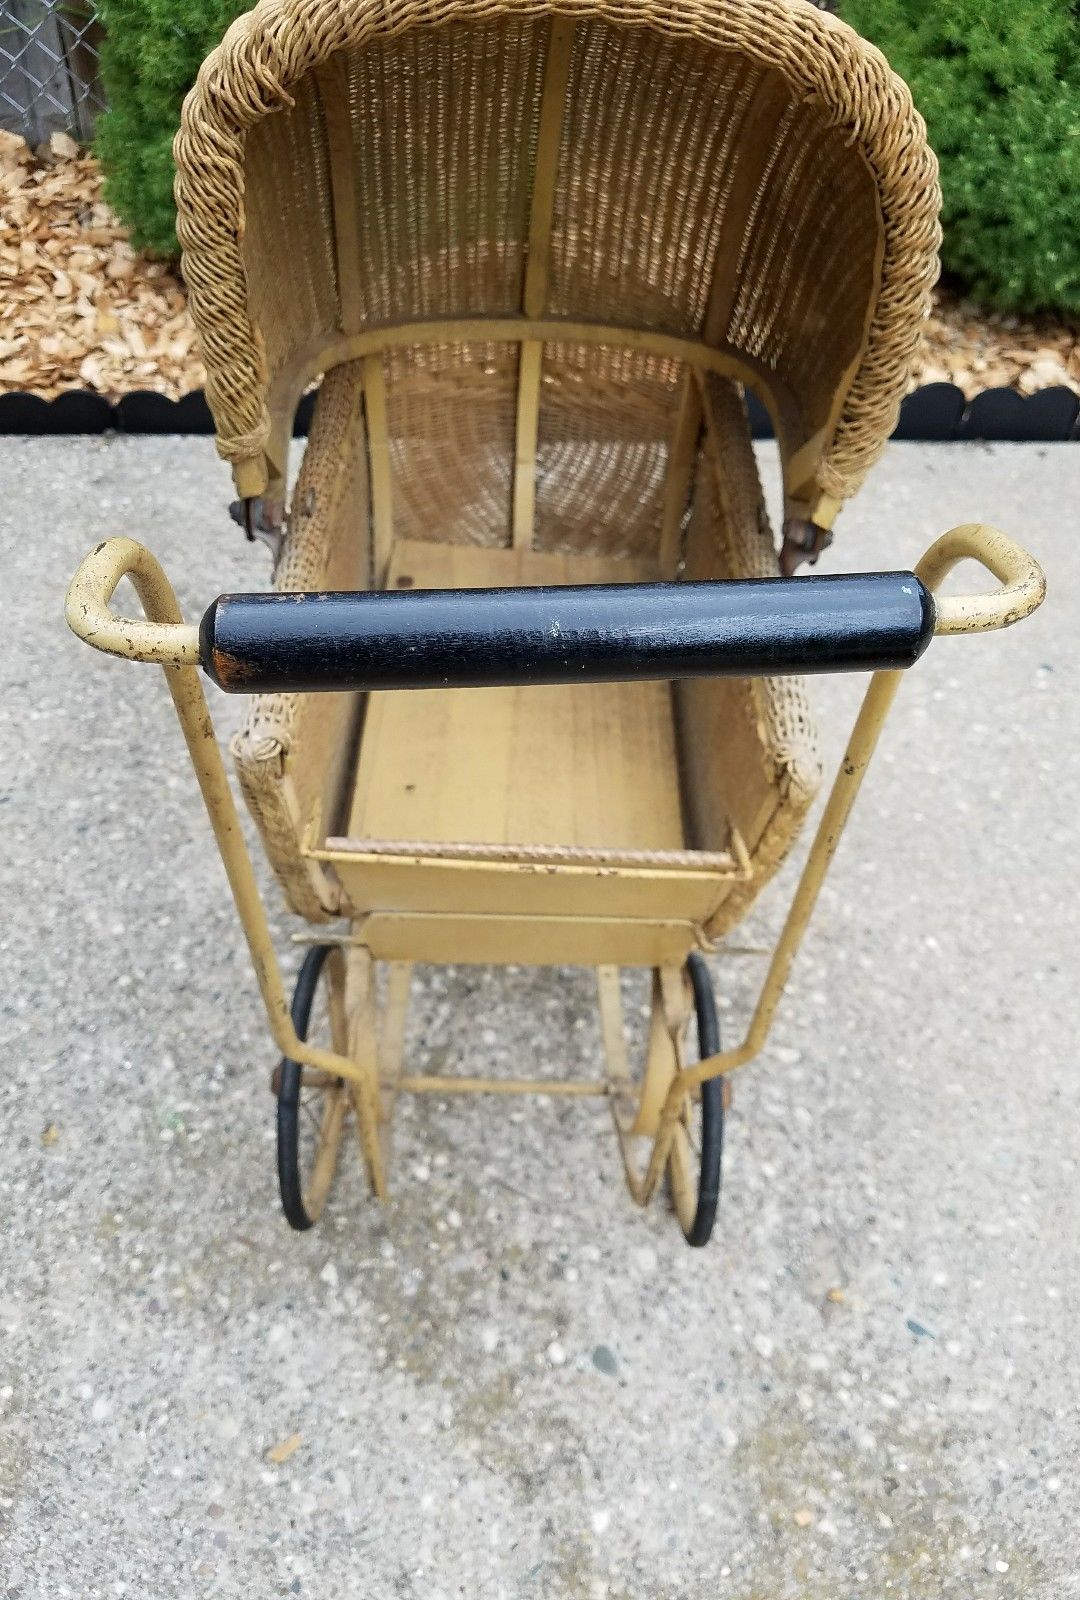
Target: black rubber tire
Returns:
[[712, 1107], [290, 1183]]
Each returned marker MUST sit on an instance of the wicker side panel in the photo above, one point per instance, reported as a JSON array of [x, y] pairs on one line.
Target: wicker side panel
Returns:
[[807, 266], [647, 139], [450, 421], [288, 236], [698, 191], [606, 419], [747, 746], [294, 751]]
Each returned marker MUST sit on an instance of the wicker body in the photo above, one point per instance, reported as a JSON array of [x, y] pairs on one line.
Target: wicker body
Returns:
[[744, 755], [536, 253]]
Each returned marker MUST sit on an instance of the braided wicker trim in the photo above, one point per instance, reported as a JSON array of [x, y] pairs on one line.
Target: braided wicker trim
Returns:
[[264, 56], [540, 855]]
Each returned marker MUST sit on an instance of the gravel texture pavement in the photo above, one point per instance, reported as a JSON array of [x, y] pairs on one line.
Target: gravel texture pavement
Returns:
[[508, 1383]]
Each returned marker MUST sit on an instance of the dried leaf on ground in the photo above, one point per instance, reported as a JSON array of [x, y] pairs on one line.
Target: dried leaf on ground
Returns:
[[280, 1453]]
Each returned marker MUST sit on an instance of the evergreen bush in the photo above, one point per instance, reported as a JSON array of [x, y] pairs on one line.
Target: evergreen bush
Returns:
[[998, 82], [149, 58]]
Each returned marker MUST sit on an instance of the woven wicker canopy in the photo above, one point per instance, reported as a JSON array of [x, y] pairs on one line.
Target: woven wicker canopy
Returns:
[[536, 225]]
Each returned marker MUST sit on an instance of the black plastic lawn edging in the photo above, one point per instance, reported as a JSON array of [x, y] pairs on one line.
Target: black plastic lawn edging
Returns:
[[938, 412]]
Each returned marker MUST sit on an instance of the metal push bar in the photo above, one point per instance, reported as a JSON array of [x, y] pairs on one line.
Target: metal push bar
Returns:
[[163, 637]]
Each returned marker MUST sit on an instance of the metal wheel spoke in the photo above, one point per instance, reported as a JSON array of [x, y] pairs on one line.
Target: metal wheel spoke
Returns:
[[315, 1121], [311, 1096]]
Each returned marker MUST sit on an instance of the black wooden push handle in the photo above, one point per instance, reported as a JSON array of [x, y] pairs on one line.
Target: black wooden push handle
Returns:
[[466, 638]]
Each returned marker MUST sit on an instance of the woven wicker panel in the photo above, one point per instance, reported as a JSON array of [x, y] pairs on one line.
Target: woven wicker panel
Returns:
[[606, 417], [748, 747], [696, 189], [807, 265], [293, 752], [444, 135], [450, 415], [646, 142], [289, 236]]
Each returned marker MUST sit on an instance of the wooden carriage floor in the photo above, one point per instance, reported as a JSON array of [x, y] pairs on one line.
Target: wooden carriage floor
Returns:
[[582, 764]]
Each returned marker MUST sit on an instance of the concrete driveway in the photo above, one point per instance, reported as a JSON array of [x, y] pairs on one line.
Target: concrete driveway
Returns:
[[508, 1382]]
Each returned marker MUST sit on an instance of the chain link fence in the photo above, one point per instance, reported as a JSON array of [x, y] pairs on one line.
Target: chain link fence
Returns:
[[49, 68]]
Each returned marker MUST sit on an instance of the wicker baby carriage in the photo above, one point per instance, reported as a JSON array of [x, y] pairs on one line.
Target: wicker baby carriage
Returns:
[[537, 255]]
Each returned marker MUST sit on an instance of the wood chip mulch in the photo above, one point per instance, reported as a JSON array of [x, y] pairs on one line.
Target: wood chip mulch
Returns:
[[80, 308]]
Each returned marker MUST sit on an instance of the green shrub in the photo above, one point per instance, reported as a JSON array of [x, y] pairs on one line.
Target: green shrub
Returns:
[[150, 55], [998, 82]]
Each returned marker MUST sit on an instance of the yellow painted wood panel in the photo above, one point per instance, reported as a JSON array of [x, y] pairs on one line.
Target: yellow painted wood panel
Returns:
[[528, 941], [582, 764], [492, 888]]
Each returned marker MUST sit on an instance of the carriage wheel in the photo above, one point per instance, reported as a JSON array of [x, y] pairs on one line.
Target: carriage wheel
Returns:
[[695, 1154], [710, 1141], [311, 1105]]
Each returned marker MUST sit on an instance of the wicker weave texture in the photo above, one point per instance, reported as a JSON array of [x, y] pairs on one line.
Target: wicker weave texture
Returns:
[[748, 747], [293, 752], [451, 429], [748, 172], [605, 419]]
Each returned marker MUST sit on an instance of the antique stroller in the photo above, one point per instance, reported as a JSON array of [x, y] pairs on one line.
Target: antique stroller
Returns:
[[526, 688]]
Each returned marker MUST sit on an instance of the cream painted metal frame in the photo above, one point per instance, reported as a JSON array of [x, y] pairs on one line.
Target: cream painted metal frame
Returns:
[[537, 251], [654, 1112]]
